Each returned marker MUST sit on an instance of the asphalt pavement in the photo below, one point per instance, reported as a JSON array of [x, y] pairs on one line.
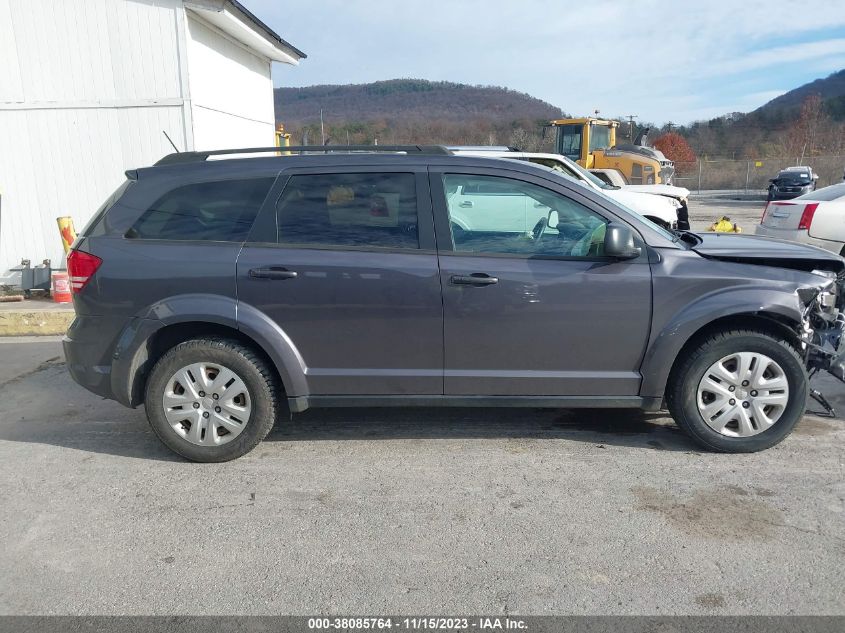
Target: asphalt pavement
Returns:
[[450, 511], [744, 210]]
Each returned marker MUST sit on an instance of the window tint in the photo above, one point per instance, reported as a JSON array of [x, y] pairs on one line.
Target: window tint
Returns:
[[513, 217], [220, 211], [366, 209], [96, 225]]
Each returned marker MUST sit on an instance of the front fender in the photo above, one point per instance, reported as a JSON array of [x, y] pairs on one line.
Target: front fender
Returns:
[[668, 341]]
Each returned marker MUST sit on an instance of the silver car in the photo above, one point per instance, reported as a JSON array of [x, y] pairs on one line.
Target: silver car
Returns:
[[816, 218]]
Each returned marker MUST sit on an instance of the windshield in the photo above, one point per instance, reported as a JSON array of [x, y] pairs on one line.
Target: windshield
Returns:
[[667, 234], [802, 177], [570, 169], [601, 184]]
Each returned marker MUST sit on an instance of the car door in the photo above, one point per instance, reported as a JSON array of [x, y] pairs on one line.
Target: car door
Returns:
[[343, 261], [538, 314]]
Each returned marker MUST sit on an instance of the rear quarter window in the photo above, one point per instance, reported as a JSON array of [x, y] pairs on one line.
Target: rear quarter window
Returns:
[[96, 225], [217, 211]]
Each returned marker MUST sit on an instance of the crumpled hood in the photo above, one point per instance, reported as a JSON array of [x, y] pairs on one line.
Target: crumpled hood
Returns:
[[765, 251]]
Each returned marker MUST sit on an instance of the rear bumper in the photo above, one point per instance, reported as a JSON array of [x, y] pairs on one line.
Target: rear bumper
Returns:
[[88, 355]]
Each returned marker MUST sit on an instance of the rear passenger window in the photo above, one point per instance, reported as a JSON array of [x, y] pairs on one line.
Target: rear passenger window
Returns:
[[219, 211], [364, 210]]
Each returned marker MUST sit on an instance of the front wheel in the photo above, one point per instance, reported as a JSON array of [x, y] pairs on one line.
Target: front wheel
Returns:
[[212, 400], [738, 391]]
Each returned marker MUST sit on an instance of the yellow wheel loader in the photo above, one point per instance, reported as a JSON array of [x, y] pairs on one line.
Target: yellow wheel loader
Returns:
[[592, 144]]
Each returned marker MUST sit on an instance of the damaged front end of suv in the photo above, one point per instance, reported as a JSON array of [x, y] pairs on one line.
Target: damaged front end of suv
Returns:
[[823, 330]]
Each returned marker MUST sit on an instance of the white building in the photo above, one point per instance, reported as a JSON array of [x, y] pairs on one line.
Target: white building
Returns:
[[88, 89]]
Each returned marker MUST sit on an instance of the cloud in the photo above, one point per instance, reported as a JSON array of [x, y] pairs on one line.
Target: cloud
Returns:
[[780, 55], [643, 57]]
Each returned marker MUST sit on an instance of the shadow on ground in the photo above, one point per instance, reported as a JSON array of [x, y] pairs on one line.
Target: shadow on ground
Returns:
[[46, 407], [606, 427]]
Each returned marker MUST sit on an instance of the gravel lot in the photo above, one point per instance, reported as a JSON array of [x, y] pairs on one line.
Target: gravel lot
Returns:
[[407, 511]]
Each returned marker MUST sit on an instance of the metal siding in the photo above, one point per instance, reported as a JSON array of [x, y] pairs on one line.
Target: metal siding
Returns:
[[231, 90], [82, 85], [95, 50], [67, 162], [11, 86], [86, 88]]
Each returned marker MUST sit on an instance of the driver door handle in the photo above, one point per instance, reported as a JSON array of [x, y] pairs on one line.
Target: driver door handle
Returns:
[[475, 279], [272, 272]]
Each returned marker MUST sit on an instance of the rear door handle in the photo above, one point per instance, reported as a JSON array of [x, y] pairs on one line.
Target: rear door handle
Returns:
[[475, 279], [272, 273], [466, 204]]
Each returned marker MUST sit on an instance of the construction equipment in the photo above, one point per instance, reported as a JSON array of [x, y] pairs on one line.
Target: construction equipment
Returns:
[[591, 142]]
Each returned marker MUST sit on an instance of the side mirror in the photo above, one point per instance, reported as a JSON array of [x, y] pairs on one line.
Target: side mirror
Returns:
[[554, 219], [619, 242]]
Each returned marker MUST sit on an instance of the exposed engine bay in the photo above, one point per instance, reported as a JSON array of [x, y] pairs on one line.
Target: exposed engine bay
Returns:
[[824, 326]]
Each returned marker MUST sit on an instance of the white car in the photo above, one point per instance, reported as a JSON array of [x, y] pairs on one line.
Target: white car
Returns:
[[816, 218], [660, 208]]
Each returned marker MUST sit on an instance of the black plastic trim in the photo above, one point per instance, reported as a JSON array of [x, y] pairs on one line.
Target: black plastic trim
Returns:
[[301, 403]]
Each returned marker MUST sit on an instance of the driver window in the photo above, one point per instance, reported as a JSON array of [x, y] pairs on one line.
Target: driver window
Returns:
[[489, 214]]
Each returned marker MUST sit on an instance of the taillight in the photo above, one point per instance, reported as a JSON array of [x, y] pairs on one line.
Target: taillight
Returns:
[[80, 267], [807, 216]]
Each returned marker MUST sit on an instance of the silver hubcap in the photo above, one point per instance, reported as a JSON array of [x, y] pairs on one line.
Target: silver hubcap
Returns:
[[207, 404], [743, 394]]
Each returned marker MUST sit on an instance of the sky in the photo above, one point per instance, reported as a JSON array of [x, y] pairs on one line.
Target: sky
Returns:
[[661, 60]]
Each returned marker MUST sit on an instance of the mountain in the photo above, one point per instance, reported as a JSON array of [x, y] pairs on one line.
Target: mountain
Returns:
[[397, 99], [401, 111], [831, 89], [808, 121]]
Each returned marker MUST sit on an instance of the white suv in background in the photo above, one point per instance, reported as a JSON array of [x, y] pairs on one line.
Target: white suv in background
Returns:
[[668, 211]]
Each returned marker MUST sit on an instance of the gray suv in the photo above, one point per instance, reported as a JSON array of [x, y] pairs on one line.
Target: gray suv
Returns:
[[226, 294]]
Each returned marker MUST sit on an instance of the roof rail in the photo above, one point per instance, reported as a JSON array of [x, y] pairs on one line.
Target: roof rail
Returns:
[[483, 148], [196, 157]]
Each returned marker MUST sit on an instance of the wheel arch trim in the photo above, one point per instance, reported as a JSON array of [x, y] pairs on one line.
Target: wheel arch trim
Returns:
[[774, 309], [135, 350]]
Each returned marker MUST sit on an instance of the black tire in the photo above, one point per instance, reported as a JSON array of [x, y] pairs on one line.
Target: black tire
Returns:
[[682, 390], [259, 377]]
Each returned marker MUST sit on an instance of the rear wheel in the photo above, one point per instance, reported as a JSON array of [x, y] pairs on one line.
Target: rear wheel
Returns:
[[211, 400], [738, 391]]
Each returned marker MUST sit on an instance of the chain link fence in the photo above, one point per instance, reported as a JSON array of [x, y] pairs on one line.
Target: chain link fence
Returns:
[[752, 174]]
